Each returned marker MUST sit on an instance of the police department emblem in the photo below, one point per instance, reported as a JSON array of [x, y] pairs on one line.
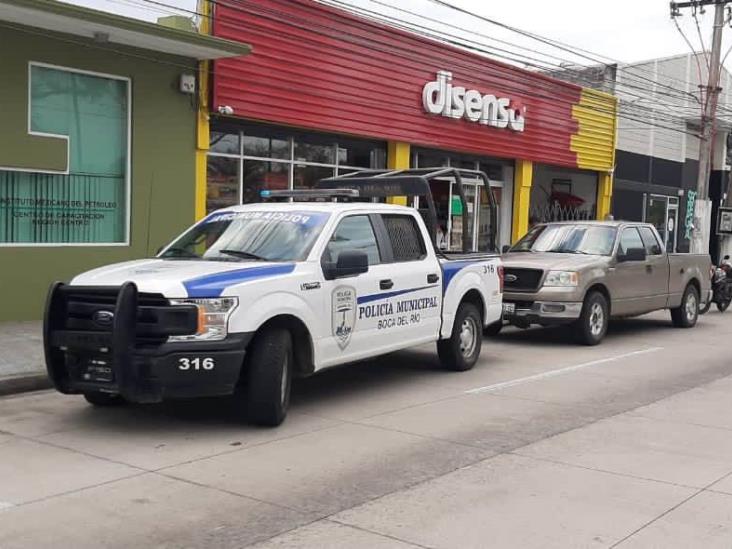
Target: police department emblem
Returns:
[[344, 314]]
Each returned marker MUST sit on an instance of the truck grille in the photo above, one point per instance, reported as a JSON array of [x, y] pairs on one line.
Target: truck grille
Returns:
[[522, 280], [85, 312]]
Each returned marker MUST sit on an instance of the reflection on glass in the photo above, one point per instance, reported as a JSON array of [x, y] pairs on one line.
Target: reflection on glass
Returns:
[[222, 177], [222, 142], [361, 154], [315, 149], [308, 176], [259, 175], [266, 143]]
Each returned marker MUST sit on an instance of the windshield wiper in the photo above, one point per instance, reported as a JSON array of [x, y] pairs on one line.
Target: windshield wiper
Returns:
[[243, 255]]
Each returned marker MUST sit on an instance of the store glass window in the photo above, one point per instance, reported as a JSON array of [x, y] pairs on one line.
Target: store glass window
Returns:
[[258, 175], [89, 114], [316, 149], [222, 182], [224, 142], [306, 177], [243, 163], [265, 143]]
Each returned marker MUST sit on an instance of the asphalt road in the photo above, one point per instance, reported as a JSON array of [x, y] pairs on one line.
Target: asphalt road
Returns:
[[544, 444]]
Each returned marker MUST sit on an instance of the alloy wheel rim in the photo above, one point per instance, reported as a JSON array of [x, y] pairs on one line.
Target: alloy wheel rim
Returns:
[[468, 339], [691, 306], [597, 319]]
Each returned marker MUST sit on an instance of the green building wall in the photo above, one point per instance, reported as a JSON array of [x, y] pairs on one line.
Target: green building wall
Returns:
[[162, 158]]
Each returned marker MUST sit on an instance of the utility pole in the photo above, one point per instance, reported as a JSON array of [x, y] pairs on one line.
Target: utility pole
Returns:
[[702, 212]]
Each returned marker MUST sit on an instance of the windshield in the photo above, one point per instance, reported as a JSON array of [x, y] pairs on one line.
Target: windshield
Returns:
[[250, 236], [568, 239]]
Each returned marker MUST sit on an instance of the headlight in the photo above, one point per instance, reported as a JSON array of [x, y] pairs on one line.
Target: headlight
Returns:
[[561, 278], [213, 318]]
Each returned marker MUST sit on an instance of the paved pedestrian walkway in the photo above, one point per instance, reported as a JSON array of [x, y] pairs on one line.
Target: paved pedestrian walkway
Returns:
[[21, 353]]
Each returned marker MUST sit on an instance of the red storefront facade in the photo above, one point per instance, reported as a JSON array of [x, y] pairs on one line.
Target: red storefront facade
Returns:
[[317, 69]]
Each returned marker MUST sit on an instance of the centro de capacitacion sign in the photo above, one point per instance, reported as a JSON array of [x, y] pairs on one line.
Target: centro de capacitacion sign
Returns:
[[441, 97]]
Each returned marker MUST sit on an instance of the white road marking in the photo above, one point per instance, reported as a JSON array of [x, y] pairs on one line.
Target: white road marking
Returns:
[[559, 371], [6, 505]]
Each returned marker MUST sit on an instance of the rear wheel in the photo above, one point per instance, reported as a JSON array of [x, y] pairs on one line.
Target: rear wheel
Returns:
[[104, 399], [266, 394], [462, 350], [591, 327], [686, 315]]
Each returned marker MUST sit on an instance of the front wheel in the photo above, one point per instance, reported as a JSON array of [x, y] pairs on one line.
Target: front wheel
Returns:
[[686, 314], [722, 305], [591, 326], [268, 377], [462, 350]]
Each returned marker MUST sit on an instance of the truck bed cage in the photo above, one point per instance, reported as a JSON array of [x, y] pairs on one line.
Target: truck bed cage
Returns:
[[376, 184]]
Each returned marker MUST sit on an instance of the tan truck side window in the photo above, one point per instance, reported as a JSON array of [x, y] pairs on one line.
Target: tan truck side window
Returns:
[[630, 239], [653, 247]]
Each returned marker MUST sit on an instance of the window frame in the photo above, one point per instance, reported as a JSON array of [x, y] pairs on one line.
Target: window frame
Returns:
[[620, 237], [128, 163], [377, 239], [385, 235], [291, 162], [661, 247]]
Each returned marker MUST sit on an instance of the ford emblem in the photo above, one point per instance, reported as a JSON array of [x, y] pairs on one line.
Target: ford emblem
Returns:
[[510, 278], [103, 318]]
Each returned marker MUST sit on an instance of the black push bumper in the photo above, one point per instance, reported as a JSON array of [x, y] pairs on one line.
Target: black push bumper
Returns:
[[115, 340]]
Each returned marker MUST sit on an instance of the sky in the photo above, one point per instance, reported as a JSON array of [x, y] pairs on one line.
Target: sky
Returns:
[[624, 30]]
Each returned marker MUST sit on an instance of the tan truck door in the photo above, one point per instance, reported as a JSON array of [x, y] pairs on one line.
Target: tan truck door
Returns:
[[657, 266], [629, 281]]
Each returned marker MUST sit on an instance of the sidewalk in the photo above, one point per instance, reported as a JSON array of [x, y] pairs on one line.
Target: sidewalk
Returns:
[[21, 357]]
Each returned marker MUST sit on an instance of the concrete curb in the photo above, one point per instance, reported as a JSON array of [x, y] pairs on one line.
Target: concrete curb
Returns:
[[24, 384]]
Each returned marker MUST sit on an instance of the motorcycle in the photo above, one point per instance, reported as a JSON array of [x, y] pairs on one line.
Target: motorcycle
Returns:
[[721, 287]]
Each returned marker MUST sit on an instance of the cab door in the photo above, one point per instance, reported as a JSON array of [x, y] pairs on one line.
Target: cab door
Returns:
[[628, 279], [657, 268], [348, 334]]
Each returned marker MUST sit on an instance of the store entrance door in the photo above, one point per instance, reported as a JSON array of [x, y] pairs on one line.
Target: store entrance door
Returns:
[[479, 216], [663, 213]]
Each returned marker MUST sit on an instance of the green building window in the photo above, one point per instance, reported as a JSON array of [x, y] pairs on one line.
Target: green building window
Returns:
[[88, 204]]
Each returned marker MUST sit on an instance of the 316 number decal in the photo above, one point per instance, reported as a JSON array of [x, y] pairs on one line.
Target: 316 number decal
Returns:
[[197, 363]]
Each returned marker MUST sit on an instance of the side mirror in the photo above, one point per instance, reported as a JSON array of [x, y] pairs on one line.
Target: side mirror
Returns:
[[350, 263], [505, 248], [633, 254]]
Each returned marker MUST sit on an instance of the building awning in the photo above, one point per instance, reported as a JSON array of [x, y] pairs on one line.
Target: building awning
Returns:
[[115, 29]]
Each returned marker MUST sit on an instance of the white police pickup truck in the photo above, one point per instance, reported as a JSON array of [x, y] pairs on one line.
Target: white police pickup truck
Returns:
[[253, 295]]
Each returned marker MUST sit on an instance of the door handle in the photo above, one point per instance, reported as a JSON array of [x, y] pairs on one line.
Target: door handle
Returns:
[[432, 278], [385, 284], [649, 269]]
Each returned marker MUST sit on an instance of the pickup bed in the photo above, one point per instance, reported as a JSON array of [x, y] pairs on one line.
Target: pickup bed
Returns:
[[256, 294], [583, 273]]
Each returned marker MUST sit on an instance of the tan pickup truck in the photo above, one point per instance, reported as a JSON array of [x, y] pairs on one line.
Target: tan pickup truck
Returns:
[[583, 273]]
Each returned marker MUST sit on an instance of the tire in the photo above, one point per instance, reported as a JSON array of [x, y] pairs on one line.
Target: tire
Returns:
[[268, 375], [461, 351], [591, 327], [686, 315], [104, 399], [722, 305], [494, 329]]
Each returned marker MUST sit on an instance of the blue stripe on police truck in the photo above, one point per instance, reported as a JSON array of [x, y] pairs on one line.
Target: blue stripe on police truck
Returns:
[[449, 270], [386, 295], [212, 285]]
